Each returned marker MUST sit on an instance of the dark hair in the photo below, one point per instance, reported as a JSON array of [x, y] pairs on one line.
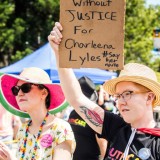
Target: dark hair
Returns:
[[47, 100]]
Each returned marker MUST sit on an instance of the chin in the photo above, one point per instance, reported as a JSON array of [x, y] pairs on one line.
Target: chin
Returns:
[[127, 119], [23, 108]]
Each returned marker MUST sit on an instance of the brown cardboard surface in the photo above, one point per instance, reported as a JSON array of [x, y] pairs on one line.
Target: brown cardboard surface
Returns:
[[93, 34]]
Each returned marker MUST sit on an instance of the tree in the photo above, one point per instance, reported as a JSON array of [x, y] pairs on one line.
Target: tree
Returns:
[[6, 32], [140, 22], [24, 26]]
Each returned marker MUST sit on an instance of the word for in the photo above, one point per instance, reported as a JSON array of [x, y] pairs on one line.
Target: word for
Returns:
[[79, 29], [92, 15], [71, 43], [92, 3]]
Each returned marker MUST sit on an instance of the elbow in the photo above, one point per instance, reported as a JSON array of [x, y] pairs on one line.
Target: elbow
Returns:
[[76, 101], [73, 102]]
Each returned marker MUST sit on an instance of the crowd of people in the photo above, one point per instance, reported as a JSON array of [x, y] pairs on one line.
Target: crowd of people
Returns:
[[133, 134], [92, 128]]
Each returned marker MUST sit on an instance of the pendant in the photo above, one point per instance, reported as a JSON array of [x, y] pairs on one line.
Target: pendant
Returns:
[[144, 153]]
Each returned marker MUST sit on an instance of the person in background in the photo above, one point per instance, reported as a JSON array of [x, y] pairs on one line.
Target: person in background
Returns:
[[44, 136], [88, 145], [133, 135], [64, 114], [9, 125], [106, 101]]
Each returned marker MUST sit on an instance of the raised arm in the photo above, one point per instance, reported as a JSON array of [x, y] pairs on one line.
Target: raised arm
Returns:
[[88, 110]]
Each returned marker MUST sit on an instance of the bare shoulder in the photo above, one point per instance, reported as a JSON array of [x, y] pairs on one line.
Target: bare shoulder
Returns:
[[53, 120]]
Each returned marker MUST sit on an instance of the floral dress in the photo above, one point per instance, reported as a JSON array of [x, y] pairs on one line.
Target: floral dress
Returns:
[[58, 133]]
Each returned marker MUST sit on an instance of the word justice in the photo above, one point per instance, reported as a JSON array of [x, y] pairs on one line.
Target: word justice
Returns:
[[92, 15]]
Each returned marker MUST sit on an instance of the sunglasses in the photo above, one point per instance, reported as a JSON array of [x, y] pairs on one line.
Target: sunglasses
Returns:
[[25, 88]]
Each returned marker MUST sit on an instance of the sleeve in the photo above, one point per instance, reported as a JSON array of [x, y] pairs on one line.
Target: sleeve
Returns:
[[21, 131], [111, 126], [63, 132]]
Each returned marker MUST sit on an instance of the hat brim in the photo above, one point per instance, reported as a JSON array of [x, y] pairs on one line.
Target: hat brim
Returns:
[[8, 101], [94, 97], [110, 86]]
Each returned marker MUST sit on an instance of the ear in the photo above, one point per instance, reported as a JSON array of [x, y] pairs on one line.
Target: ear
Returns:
[[150, 98], [44, 93]]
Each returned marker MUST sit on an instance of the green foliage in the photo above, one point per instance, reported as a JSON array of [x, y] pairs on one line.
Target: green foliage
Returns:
[[7, 33], [158, 76], [140, 22], [24, 26], [20, 55]]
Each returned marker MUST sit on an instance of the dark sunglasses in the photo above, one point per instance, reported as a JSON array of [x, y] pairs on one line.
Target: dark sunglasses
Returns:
[[25, 88]]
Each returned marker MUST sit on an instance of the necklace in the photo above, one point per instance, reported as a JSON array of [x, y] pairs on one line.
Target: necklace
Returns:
[[23, 150]]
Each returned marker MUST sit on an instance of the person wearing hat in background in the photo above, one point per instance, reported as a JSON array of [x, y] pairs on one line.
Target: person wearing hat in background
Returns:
[[88, 145], [133, 135], [31, 94]]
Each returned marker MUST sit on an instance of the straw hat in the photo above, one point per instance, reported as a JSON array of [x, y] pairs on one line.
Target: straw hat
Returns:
[[30, 75], [137, 73]]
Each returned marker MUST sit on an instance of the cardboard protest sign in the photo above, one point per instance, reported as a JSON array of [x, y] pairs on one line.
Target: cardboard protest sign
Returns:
[[93, 33]]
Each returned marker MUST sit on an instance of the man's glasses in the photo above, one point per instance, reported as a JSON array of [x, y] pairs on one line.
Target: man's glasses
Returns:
[[25, 88], [126, 95]]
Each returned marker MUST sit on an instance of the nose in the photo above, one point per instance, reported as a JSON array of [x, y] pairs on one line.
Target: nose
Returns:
[[20, 93], [120, 101]]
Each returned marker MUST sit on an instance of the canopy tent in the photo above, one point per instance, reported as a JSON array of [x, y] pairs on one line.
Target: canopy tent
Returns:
[[45, 59]]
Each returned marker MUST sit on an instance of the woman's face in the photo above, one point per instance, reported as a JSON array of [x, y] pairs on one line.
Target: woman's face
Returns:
[[33, 99], [132, 101]]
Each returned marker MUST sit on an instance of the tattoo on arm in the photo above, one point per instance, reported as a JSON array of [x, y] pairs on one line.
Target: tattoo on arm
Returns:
[[92, 116]]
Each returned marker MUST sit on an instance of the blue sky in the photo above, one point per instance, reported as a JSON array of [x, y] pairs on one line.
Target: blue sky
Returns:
[[154, 2]]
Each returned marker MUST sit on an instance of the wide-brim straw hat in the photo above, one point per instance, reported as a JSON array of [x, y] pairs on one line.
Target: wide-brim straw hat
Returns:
[[31, 75], [138, 73]]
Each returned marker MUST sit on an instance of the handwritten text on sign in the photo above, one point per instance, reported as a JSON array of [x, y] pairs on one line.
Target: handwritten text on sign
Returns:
[[93, 33]]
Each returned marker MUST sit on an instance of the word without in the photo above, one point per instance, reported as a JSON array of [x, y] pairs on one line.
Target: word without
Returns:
[[92, 3]]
